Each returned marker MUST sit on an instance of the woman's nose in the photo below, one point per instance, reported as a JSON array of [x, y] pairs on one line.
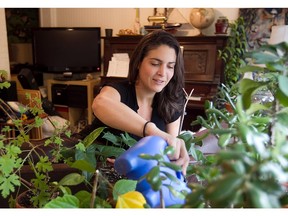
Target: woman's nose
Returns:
[[161, 70]]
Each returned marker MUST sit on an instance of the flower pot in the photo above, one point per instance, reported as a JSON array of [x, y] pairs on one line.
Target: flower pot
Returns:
[[23, 200]]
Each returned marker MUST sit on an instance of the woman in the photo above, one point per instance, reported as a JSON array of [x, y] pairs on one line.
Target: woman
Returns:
[[151, 102]]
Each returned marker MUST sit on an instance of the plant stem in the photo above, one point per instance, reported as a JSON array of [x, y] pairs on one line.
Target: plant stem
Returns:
[[95, 183], [162, 204]]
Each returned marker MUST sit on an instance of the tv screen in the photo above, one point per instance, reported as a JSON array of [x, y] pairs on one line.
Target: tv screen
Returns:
[[69, 51]]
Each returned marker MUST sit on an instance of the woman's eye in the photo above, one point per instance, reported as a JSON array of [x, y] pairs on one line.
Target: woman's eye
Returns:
[[171, 66], [155, 64]]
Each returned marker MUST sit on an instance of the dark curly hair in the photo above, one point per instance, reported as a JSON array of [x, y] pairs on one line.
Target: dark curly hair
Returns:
[[171, 99]]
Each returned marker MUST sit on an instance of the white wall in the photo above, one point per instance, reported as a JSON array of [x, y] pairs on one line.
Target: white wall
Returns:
[[123, 18], [4, 54]]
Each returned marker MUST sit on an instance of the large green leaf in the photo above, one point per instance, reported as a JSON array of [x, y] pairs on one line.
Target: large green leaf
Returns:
[[87, 155], [247, 87], [123, 186], [84, 198], [109, 151], [84, 165], [128, 140], [88, 140], [67, 201], [116, 140], [7, 185], [71, 179]]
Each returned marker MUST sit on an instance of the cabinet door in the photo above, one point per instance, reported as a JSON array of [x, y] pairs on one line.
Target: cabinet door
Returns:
[[199, 62]]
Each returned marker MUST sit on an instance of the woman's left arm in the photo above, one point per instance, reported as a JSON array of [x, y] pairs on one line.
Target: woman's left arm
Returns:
[[173, 127], [179, 144]]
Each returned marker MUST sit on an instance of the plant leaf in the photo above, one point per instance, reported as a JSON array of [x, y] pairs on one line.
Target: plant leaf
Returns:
[[72, 179], [84, 165], [132, 199], [67, 201], [88, 140], [123, 186]]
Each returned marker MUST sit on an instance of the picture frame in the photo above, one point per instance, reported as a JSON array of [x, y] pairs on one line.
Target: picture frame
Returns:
[[259, 22]]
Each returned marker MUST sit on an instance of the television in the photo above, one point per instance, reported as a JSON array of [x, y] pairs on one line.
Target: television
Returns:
[[69, 53]]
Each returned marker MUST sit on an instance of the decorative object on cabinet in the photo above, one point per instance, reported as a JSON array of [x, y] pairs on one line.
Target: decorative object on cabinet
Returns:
[[160, 21], [202, 18], [221, 25], [204, 70]]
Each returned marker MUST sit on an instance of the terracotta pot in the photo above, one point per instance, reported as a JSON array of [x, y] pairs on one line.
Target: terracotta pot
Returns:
[[21, 200]]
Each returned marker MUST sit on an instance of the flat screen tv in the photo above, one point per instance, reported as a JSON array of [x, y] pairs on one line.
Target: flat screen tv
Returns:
[[68, 52]]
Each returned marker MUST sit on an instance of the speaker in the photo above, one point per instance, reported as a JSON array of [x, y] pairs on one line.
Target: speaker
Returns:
[[9, 94], [27, 79], [59, 94]]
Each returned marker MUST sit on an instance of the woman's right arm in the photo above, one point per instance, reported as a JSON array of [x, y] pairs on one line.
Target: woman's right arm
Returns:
[[107, 106]]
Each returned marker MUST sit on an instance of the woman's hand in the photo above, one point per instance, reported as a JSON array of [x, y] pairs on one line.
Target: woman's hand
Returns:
[[181, 156]]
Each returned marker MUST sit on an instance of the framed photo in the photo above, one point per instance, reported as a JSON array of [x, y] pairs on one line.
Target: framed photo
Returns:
[[20, 22], [259, 22]]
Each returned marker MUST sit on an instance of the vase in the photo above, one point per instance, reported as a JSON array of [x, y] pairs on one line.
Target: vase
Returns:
[[221, 25]]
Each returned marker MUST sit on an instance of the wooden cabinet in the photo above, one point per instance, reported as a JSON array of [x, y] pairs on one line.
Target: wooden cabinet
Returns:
[[203, 68]]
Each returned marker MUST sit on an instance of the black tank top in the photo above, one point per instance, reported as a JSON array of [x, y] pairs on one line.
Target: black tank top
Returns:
[[128, 97]]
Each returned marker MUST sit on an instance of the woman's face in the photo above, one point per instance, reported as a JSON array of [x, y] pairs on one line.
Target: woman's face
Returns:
[[157, 68]]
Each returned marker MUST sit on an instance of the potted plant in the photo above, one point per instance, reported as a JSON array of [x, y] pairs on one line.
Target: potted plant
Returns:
[[26, 164], [250, 170], [233, 53]]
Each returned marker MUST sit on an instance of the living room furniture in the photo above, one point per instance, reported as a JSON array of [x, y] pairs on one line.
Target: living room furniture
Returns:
[[203, 68], [74, 95]]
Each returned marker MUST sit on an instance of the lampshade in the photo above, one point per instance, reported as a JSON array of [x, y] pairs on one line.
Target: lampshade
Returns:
[[278, 34]]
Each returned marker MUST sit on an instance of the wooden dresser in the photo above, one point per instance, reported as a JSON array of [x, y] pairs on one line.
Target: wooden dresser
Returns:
[[203, 68]]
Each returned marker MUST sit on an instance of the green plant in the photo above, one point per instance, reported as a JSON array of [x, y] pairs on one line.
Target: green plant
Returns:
[[15, 153], [250, 170], [19, 152], [233, 53], [85, 157]]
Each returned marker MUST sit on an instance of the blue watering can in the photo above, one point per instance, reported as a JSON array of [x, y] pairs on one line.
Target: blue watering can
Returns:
[[134, 167]]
